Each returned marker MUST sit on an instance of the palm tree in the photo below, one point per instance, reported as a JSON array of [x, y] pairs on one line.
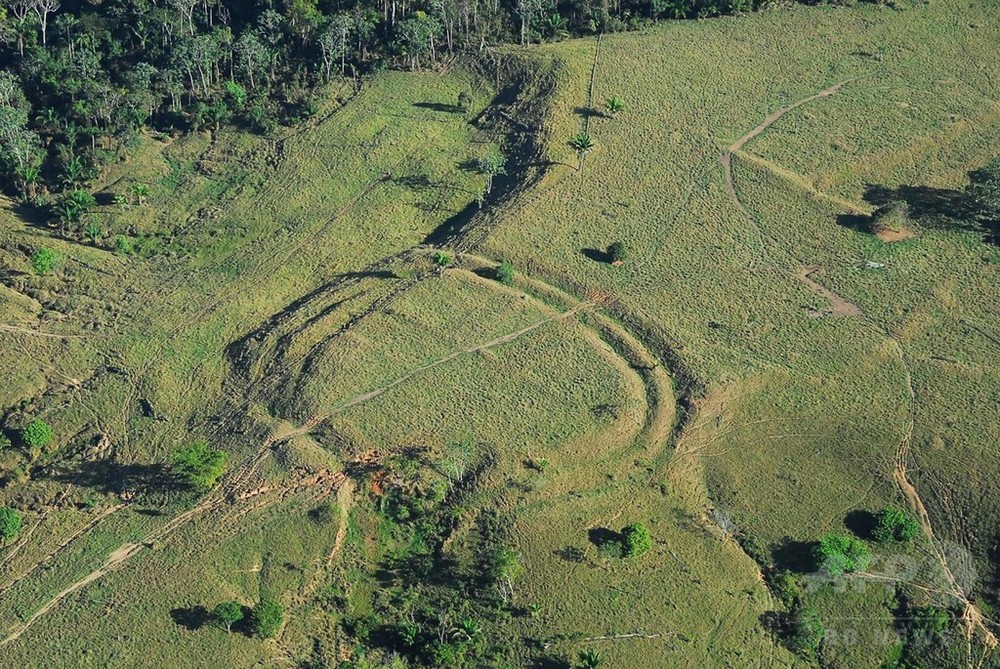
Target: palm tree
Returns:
[[590, 659], [141, 192], [581, 143], [614, 105]]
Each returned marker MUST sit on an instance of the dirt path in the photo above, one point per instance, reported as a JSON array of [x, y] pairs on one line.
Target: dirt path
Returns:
[[727, 156], [839, 306], [972, 618], [38, 333], [114, 560]]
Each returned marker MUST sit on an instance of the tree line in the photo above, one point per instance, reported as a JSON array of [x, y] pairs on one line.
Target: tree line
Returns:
[[79, 80]]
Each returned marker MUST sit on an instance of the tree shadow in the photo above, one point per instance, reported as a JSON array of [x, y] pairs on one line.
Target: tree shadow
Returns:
[[796, 556], [572, 554], [597, 255], [417, 182], [110, 477], [192, 618], [470, 165], [856, 222], [440, 107], [602, 536], [588, 112], [861, 523]]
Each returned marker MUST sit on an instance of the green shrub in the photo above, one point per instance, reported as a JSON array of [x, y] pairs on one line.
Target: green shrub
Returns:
[[805, 630], [266, 618], [228, 614], [442, 259], [4, 441], [198, 465], [37, 434], [636, 540], [505, 273], [840, 554], [123, 245], [892, 217], [894, 524], [10, 523], [617, 252], [44, 261]]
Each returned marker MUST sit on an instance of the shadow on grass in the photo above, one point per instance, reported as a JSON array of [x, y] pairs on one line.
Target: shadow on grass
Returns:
[[603, 536], [796, 556], [597, 255], [589, 112], [861, 523], [440, 107], [192, 618], [937, 208], [110, 477]]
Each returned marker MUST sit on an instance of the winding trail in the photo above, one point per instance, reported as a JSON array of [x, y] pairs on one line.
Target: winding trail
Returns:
[[727, 156], [972, 618]]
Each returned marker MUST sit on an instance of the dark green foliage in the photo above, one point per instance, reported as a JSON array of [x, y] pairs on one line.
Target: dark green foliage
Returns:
[[37, 434], [266, 618], [840, 554], [10, 523], [617, 252], [464, 101], [589, 659], [228, 614], [892, 217], [984, 191], [615, 106], [787, 586], [4, 441], [805, 630], [636, 541], [894, 524], [123, 245], [505, 273], [442, 258], [198, 465], [44, 261]]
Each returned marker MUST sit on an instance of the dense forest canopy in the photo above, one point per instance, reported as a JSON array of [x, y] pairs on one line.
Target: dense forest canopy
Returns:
[[79, 79]]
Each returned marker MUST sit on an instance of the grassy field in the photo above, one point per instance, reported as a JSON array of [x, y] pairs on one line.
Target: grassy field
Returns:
[[741, 384]]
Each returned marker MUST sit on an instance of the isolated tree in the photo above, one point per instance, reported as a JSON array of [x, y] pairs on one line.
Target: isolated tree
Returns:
[[891, 217], [73, 205], [636, 540], [228, 614], [10, 523], [442, 258], [266, 618], [44, 261], [506, 568], [839, 554], [614, 105], [617, 253], [198, 465], [582, 144], [504, 273], [37, 434], [894, 524], [492, 164], [589, 659], [984, 191], [140, 192]]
